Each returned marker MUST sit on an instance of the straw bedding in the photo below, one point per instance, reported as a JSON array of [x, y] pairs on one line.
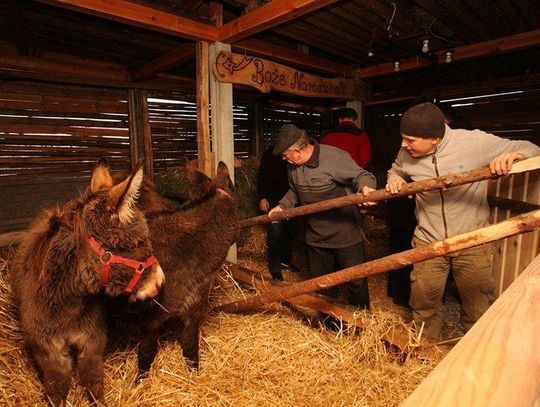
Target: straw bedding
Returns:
[[266, 359]]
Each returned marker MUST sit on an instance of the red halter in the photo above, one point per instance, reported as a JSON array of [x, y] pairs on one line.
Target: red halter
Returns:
[[107, 258]]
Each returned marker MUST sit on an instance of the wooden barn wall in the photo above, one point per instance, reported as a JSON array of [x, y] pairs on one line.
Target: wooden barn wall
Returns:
[[173, 122], [276, 116], [51, 138], [514, 115]]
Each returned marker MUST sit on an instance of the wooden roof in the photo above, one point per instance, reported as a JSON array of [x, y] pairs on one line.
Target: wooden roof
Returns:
[[154, 40]]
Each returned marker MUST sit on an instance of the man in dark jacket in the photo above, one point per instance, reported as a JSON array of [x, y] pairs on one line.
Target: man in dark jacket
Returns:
[[272, 184], [350, 138], [316, 173]]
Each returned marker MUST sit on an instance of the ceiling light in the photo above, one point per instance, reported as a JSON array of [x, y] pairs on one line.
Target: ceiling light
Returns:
[[425, 46], [396, 66], [448, 57]]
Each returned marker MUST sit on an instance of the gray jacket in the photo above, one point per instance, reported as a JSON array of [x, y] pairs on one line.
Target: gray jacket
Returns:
[[329, 173], [443, 214]]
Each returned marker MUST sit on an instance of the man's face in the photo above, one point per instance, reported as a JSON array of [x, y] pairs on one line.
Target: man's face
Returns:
[[292, 156], [418, 146]]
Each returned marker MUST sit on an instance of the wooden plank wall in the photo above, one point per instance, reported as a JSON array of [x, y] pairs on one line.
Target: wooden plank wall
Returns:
[[276, 116], [50, 140], [511, 256], [173, 121]]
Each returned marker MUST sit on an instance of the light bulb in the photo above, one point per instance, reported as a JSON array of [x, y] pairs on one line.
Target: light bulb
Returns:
[[396, 66], [425, 46], [448, 57], [370, 53]]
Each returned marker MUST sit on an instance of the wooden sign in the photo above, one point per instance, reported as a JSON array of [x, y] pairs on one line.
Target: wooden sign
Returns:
[[267, 75]]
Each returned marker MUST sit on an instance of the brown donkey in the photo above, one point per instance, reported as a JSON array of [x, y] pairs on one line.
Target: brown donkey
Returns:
[[192, 243], [98, 243]]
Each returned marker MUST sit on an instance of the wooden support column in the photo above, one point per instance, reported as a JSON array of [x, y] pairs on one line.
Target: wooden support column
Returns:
[[203, 121], [359, 107], [221, 108], [140, 134]]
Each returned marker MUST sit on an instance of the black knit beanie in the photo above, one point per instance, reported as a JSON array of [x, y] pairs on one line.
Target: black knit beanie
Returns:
[[424, 120]]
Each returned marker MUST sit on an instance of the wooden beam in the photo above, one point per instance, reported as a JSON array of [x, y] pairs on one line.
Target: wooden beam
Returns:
[[203, 122], [141, 16], [172, 59], [443, 182], [268, 16], [496, 362], [140, 134], [512, 227], [16, 25], [50, 66], [478, 50], [395, 337], [491, 86], [288, 55]]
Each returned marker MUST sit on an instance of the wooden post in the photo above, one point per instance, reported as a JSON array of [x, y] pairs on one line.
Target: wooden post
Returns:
[[140, 133], [203, 121], [359, 107], [497, 362], [514, 226], [221, 108], [446, 181]]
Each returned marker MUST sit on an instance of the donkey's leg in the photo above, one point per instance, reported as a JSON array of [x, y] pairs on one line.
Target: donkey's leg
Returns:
[[149, 344], [56, 366], [90, 366], [190, 338]]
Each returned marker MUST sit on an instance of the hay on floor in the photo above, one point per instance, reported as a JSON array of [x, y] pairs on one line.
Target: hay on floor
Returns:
[[265, 359]]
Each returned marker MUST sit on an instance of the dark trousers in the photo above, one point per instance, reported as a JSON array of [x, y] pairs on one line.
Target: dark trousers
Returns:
[[323, 261], [399, 282], [280, 239]]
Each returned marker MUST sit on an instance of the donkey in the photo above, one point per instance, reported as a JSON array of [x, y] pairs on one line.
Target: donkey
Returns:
[[97, 243], [192, 243]]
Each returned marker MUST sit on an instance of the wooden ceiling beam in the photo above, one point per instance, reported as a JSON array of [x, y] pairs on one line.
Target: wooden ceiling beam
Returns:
[[479, 50], [141, 16], [172, 59], [287, 55], [468, 89], [267, 17]]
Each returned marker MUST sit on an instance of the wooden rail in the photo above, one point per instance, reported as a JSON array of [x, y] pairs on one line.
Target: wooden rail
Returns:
[[497, 362]]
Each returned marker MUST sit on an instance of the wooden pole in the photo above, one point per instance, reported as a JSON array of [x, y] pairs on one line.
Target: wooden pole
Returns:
[[443, 182], [203, 121], [514, 226], [496, 363]]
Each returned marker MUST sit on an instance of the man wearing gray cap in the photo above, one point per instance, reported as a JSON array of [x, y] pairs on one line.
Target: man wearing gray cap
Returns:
[[317, 173]]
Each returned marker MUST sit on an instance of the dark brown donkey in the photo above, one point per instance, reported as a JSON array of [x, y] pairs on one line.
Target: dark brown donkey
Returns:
[[98, 243], [191, 243]]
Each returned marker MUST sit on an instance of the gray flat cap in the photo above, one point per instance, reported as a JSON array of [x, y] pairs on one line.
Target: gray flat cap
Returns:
[[287, 136]]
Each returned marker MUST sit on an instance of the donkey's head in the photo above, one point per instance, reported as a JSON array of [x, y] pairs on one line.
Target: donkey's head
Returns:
[[117, 234]]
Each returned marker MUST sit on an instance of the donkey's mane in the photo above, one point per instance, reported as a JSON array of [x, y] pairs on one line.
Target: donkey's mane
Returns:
[[171, 204], [47, 226]]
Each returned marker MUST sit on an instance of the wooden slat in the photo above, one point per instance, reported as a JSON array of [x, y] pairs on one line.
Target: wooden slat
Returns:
[[477, 50], [268, 16], [496, 362], [172, 59], [142, 16]]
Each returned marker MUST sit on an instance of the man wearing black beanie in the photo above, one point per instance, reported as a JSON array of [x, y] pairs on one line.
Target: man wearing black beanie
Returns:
[[431, 149]]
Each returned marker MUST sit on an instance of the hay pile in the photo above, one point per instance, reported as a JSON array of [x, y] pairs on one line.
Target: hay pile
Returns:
[[270, 359]]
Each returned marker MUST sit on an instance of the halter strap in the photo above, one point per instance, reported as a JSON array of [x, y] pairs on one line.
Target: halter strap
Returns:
[[107, 258]]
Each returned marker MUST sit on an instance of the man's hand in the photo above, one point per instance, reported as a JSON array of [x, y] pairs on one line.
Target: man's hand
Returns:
[[395, 186], [366, 191], [275, 209], [264, 205], [502, 164]]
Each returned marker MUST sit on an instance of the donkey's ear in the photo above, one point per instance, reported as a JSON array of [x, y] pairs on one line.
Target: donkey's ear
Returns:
[[223, 177], [123, 196], [101, 177]]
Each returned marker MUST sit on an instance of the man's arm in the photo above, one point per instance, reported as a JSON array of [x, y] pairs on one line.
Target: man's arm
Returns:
[[396, 176], [501, 153]]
